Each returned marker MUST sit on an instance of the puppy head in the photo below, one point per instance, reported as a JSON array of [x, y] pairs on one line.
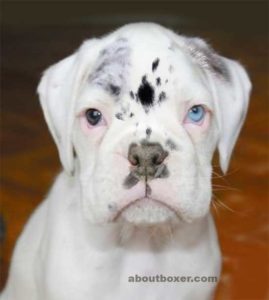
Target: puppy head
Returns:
[[143, 109]]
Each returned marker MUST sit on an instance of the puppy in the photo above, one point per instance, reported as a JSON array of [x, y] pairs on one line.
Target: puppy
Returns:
[[136, 116]]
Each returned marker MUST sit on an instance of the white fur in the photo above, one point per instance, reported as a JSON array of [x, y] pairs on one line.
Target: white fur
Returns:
[[91, 233]]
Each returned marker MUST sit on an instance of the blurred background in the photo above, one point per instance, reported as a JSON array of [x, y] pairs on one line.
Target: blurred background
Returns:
[[37, 34]]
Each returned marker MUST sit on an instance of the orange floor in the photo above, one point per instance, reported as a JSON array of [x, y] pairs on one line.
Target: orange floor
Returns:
[[29, 160]]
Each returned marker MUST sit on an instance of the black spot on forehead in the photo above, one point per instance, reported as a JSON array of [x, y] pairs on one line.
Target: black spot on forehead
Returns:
[[155, 64], [158, 81], [145, 93], [131, 115], [162, 96], [132, 94]]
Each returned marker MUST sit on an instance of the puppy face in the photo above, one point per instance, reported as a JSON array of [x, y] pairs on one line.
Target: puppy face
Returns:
[[144, 123]]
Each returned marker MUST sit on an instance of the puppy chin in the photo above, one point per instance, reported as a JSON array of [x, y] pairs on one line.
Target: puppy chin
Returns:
[[148, 212]]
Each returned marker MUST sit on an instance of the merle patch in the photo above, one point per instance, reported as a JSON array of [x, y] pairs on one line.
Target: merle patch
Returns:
[[114, 90], [111, 66]]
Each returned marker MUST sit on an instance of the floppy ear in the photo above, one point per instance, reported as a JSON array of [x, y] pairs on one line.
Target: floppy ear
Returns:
[[58, 90], [231, 102], [55, 103], [230, 87]]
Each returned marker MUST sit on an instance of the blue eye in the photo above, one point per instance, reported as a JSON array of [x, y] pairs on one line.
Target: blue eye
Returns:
[[196, 113]]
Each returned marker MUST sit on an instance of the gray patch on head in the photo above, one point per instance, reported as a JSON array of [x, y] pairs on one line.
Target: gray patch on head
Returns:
[[171, 144], [206, 57], [113, 89], [110, 71]]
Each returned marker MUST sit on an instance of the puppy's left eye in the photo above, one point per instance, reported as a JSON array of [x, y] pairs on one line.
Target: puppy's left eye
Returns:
[[196, 114], [93, 116]]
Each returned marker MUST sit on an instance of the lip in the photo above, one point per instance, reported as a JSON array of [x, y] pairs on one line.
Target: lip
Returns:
[[142, 199]]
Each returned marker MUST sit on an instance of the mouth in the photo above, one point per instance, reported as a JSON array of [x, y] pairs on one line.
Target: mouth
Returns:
[[146, 211]]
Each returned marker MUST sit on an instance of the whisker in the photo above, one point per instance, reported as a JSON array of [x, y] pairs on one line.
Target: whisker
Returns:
[[215, 208], [221, 204], [217, 187]]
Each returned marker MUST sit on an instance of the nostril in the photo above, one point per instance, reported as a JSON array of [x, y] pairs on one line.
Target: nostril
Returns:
[[156, 159], [135, 160], [159, 157], [132, 155]]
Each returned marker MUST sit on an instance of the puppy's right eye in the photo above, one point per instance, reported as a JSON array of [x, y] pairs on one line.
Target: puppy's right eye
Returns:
[[93, 116]]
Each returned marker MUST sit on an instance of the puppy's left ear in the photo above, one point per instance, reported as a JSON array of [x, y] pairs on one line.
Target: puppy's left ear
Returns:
[[230, 86], [231, 102]]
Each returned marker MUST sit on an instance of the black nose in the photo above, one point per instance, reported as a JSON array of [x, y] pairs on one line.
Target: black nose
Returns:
[[147, 158]]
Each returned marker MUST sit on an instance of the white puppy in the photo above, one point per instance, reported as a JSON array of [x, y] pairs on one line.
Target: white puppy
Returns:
[[136, 116]]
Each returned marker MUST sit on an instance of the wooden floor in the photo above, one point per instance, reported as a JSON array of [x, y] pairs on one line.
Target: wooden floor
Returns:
[[29, 160]]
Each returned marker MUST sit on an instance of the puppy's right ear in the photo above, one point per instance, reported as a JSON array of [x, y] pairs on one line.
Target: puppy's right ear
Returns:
[[58, 91], [54, 94]]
